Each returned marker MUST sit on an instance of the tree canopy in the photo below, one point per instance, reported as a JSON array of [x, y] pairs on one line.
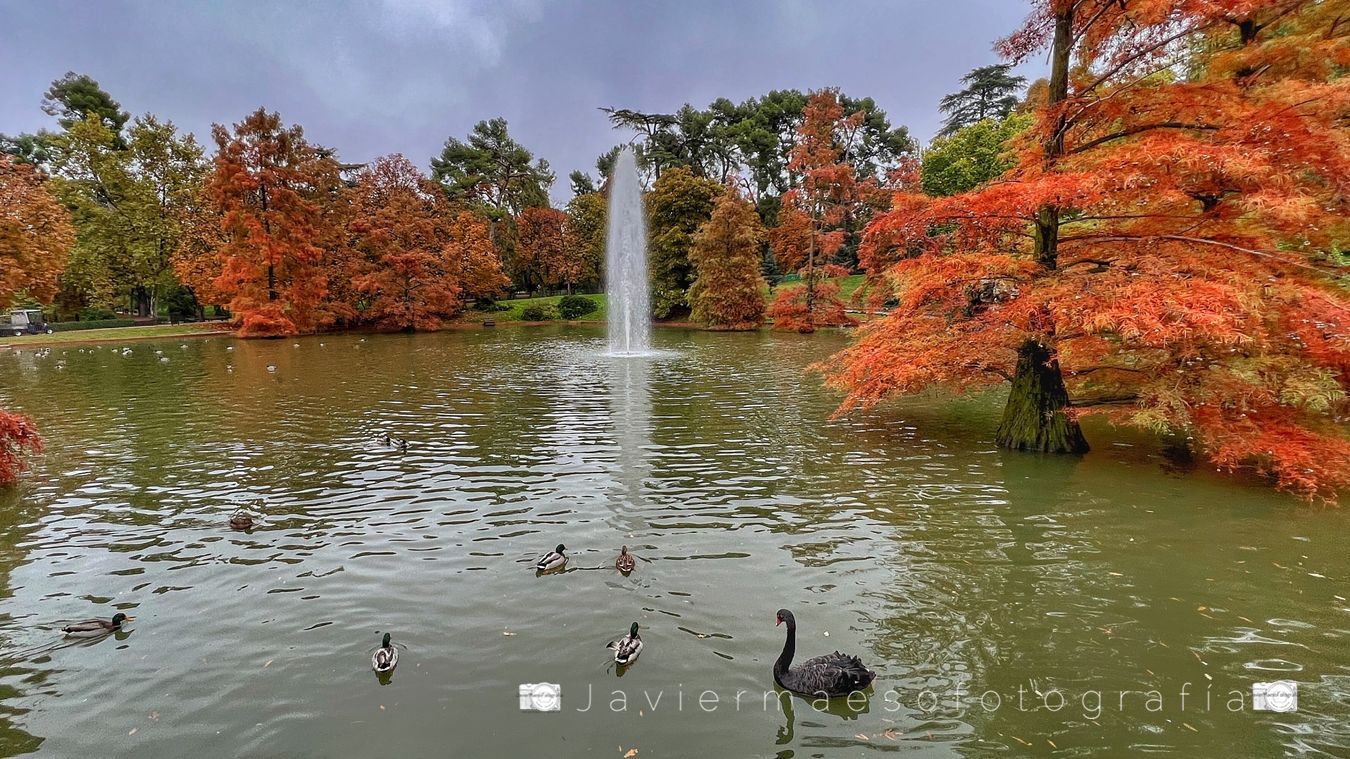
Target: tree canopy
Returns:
[[991, 92]]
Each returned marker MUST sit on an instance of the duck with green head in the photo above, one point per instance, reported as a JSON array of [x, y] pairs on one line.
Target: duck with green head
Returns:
[[385, 657], [628, 648], [93, 628]]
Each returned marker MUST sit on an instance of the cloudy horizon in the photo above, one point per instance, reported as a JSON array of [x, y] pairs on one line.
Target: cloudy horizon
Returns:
[[403, 75]]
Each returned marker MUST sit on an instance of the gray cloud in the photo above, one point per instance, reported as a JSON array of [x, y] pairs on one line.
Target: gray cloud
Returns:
[[370, 78]]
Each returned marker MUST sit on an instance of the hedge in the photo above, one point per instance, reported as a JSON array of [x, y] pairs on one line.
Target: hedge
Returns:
[[92, 324]]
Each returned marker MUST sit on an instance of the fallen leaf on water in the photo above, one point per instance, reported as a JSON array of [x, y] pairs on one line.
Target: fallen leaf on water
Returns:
[[1019, 740], [890, 734], [268, 664], [632, 752], [860, 736], [132, 731], [1188, 727], [1115, 574], [1052, 743], [507, 633], [154, 715], [381, 707]]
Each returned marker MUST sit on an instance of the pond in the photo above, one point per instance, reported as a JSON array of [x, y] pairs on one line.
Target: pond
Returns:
[[994, 593]]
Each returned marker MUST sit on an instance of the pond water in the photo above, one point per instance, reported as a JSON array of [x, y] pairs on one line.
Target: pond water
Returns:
[[994, 593]]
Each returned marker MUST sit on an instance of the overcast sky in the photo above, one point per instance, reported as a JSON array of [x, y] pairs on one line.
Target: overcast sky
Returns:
[[382, 76]]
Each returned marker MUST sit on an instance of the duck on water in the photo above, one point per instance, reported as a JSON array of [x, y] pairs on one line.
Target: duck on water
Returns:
[[829, 676]]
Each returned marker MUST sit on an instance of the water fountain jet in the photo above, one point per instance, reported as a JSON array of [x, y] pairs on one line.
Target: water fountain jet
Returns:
[[626, 283]]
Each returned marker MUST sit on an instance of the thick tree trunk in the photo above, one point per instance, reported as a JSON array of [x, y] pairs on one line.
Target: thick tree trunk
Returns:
[[1034, 419]]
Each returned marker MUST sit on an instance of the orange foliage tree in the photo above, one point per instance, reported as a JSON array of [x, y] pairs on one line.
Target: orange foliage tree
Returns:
[[1164, 252], [813, 221], [728, 288], [35, 241], [542, 255], [476, 262], [400, 229], [269, 186], [35, 234]]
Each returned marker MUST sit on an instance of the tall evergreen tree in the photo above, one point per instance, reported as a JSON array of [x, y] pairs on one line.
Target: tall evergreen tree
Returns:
[[991, 92]]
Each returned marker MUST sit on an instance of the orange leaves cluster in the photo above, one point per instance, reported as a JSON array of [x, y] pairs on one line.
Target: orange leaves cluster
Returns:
[[35, 234], [293, 248], [268, 185], [542, 255], [412, 249], [728, 289], [812, 224], [18, 437], [1191, 287]]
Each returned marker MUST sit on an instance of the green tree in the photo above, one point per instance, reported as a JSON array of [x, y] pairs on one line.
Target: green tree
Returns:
[[76, 97], [72, 99], [493, 171], [582, 184], [971, 156], [990, 93], [128, 198], [584, 236], [677, 206]]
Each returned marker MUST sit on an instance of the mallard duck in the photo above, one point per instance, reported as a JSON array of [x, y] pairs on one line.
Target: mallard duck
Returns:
[[830, 675], [241, 520], [627, 648], [385, 657], [92, 628], [625, 562], [553, 559]]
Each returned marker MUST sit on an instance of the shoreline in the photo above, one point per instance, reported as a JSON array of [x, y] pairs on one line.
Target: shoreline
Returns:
[[45, 341]]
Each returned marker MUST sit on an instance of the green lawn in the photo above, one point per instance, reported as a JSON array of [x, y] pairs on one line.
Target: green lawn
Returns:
[[115, 333], [512, 314]]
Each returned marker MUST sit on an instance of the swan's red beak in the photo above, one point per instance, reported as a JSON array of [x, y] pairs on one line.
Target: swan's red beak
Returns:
[[777, 621]]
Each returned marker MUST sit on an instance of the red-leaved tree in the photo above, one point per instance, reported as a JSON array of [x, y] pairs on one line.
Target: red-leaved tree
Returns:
[[1165, 251], [542, 255], [400, 228], [35, 241], [269, 185], [812, 222]]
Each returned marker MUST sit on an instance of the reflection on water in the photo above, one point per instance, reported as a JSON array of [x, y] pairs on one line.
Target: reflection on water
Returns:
[[959, 572]]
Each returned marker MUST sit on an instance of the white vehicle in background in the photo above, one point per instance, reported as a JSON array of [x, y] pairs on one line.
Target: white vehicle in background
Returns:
[[26, 321]]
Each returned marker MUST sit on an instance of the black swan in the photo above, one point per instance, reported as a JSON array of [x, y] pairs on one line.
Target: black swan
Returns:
[[830, 675]]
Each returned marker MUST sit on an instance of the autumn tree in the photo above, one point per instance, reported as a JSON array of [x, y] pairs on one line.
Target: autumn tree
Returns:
[[1164, 251], [35, 234], [542, 256], [814, 221], [35, 240], [728, 289], [991, 92], [584, 236], [269, 185], [677, 206], [476, 263], [399, 228]]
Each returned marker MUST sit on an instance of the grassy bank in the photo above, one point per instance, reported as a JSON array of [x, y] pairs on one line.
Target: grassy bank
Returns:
[[516, 307], [116, 333]]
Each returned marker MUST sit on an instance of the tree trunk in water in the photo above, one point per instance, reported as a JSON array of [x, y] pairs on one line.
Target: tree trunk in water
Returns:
[[1034, 419]]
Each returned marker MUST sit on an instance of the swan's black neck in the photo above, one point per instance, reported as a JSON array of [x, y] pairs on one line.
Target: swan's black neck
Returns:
[[784, 662]]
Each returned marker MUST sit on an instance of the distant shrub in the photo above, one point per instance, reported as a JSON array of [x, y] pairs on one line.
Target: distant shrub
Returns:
[[488, 305], [93, 314], [95, 324], [576, 306], [537, 313]]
